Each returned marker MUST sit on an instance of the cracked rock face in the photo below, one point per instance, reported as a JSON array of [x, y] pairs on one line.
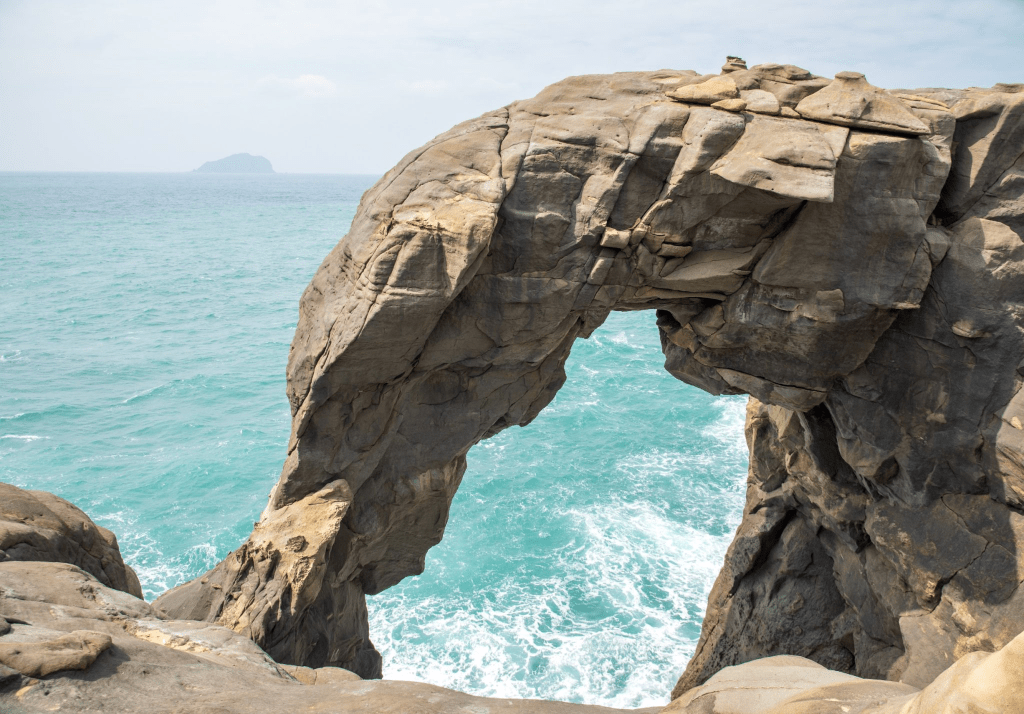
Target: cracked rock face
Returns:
[[849, 257]]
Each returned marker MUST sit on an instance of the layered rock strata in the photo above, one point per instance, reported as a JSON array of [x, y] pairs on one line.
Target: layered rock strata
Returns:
[[848, 256]]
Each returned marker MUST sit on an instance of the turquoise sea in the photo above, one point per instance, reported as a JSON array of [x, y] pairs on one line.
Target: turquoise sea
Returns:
[[144, 328]]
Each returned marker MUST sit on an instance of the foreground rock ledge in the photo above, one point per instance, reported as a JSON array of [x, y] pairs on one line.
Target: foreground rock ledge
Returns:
[[848, 256], [70, 643]]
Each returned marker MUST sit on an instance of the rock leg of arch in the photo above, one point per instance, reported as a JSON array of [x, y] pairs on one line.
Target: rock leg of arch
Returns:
[[849, 257]]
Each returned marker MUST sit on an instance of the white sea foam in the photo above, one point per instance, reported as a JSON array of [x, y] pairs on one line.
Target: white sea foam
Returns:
[[528, 640], [620, 620], [621, 338], [24, 437], [143, 393], [157, 572]]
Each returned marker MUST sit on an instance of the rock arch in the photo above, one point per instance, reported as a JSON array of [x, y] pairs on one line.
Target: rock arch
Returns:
[[849, 257]]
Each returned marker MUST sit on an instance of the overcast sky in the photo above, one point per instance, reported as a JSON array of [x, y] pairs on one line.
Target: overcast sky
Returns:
[[319, 86]]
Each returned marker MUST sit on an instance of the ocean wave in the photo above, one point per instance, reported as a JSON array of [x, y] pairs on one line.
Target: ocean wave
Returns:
[[615, 627], [158, 570], [23, 437]]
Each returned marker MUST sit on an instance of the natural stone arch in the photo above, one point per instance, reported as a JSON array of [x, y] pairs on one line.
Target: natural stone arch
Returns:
[[807, 261]]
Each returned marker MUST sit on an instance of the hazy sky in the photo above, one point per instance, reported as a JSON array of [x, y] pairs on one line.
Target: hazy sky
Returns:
[[318, 86]]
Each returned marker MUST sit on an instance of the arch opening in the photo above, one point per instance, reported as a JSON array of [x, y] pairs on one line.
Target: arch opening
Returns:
[[582, 543]]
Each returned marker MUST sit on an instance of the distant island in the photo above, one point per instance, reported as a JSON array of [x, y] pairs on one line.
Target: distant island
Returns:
[[238, 164]]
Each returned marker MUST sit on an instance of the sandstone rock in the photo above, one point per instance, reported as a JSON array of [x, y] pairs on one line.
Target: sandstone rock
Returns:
[[733, 64], [293, 544], [827, 268], [210, 642], [8, 676], [979, 682], [730, 105], [760, 101], [756, 687], [322, 676], [788, 83], [859, 697], [34, 591], [35, 525], [860, 274], [36, 653], [789, 158], [851, 101], [791, 686], [713, 90], [988, 171]]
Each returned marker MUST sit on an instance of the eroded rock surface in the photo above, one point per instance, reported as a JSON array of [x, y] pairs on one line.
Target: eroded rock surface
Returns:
[[37, 652], [36, 525], [849, 257]]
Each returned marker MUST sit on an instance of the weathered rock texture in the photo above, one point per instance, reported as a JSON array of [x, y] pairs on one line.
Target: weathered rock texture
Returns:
[[36, 525], [849, 257]]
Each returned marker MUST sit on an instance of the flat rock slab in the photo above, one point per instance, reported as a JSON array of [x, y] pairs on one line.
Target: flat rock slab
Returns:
[[36, 653]]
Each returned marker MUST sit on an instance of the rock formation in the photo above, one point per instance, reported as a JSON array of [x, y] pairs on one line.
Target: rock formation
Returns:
[[848, 256], [35, 525]]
